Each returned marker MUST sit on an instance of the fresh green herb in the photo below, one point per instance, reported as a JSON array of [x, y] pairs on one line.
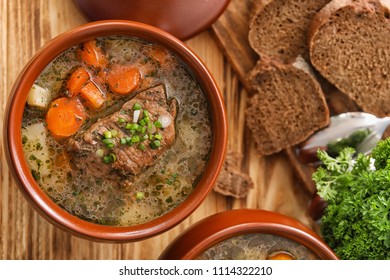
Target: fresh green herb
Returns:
[[107, 134], [334, 148], [142, 122], [112, 157], [158, 124], [139, 195], [142, 147], [36, 175], [155, 144], [171, 179], [158, 136], [106, 159], [121, 120], [135, 139], [137, 106], [109, 158], [108, 142], [100, 152], [356, 222]]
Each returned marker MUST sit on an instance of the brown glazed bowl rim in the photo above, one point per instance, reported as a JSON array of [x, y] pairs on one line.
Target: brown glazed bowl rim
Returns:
[[221, 226], [13, 118]]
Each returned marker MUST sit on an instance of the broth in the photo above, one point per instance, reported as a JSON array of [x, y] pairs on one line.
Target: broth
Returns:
[[111, 200], [257, 247]]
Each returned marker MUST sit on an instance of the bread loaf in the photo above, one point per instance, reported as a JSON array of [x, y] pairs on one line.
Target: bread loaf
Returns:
[[288, 105], [278, 28], [349, 43]]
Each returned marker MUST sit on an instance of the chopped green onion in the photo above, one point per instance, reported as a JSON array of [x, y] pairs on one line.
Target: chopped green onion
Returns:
[[135, 139], [139, 195], [146, 119], [155, 144], [137, 106], [100, 152], [112, 157], [114, 133], [107, 134], [142, 147], [107, 159], [132, 126], [158, 124], [144, 137], [107, 141], [143, 130], [110, 146], [123, 141], [158, 136], [128, 139], [121, 120], [142, 122], [146, 113]]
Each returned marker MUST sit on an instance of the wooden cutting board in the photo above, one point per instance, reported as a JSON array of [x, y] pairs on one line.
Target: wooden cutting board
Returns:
[[231, 31]]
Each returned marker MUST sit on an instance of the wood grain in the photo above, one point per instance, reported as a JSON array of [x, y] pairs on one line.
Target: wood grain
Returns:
[[231, 30], [28, 25]]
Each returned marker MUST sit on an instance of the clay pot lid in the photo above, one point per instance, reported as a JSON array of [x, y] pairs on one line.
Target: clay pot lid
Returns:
[[182, 18]]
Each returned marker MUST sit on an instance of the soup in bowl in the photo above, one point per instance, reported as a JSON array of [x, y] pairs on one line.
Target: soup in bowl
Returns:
[[115, 131], [248, 234]]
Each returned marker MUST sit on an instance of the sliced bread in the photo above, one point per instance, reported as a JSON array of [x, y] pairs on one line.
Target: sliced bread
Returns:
[[288, 105], [232, 181], [349, 44], [278, 28]]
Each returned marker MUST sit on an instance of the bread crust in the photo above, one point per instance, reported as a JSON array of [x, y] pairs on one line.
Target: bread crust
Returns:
[[328, 10], [261, 128], [295, 21], [326, 21]]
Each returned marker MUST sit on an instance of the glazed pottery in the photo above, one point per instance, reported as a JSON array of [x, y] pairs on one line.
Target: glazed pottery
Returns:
[[38, 198]]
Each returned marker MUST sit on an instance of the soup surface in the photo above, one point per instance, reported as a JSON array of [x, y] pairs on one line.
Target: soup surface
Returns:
[[257, 247], [116, 131]]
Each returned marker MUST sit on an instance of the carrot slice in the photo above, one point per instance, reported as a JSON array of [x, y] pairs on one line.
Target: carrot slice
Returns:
[[158, 53], [92, 55], [76, 81], [123, 79], [92, 95], [65, 117]]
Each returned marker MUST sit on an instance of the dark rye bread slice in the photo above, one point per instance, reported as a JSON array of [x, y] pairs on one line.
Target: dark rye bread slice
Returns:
[[287, 107], [278, 28], [232, 181], [349, 44]]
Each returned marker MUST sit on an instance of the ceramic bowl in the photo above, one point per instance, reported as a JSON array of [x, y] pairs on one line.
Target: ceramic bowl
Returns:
[[182, 18], [13, 142], [217, 228]]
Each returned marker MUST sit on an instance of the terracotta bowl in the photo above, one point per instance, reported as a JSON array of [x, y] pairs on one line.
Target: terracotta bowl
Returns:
[[219, 227], [13, 142], [182, 18]]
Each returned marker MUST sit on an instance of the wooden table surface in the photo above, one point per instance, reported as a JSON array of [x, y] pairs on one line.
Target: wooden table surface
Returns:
[[25, 27]]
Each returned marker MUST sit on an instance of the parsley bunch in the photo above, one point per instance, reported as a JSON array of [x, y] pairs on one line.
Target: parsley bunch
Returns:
[[356, 222]]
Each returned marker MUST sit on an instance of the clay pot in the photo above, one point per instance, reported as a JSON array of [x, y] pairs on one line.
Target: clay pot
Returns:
[[181, 18], [219, 227], [22, 174]]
